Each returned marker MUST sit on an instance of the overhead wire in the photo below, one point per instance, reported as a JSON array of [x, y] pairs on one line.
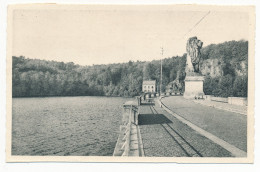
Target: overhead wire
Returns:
[[203, 17], [196, 24]]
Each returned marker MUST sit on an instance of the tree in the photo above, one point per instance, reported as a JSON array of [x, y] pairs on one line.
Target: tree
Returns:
[[240, 86]]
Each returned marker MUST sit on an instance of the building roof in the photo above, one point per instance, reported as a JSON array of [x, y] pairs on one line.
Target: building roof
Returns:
[[151, 82]]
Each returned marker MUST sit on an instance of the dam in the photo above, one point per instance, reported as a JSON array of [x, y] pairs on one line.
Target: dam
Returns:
[[172, 126]]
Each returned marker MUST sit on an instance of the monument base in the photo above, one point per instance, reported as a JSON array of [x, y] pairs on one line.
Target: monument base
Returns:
[[194, 87]]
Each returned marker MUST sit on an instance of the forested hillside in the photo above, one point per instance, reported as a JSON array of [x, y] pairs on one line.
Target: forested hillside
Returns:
[[224, 65], [33, 77]]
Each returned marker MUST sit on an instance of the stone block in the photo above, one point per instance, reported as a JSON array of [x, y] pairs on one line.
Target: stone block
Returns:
[[193, 87]]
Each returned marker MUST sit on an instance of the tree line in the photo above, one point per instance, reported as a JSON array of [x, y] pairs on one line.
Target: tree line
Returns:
[[33, 77]]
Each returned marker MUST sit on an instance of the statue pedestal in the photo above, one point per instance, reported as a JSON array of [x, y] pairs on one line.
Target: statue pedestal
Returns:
[[193, 87]]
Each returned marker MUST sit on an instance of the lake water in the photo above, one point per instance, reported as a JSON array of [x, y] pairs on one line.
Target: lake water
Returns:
[[76, 126]]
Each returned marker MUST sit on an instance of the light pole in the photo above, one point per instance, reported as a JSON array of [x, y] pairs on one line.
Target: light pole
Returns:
[[161, 72]]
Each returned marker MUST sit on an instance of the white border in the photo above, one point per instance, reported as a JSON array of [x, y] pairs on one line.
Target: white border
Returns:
[[118, 166]]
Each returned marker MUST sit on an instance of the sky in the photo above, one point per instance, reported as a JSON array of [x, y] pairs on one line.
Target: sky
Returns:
[[102, 35]]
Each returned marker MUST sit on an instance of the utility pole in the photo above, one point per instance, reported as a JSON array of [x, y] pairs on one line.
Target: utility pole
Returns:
[[161, 71]]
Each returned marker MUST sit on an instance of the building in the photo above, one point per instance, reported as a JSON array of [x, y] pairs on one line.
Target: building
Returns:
[[149, 86]]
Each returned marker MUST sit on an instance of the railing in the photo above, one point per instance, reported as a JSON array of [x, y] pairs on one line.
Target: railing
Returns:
[[130, 118], [130, 113], [129, 140]]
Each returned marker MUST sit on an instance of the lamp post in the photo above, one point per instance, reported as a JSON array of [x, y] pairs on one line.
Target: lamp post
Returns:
[[161, 72]]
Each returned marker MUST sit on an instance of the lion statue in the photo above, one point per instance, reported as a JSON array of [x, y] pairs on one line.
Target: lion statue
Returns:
[[193, 54]]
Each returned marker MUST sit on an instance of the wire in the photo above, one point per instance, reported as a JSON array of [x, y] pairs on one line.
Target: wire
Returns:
[[196, 24]]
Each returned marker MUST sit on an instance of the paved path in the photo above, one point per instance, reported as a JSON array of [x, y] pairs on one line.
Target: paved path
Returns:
[[229, 126], [164, 135]]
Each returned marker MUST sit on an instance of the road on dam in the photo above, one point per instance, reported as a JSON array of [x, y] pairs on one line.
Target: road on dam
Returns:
[[163, 135]]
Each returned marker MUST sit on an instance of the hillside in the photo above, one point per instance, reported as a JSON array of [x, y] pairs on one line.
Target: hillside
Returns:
[[224, 65], [226, 69]]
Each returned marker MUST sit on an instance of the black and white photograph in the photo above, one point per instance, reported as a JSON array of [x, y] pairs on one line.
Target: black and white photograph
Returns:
[[130, 83]]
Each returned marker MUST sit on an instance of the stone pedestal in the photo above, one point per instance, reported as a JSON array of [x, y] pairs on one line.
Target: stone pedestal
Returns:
[[193, 87]]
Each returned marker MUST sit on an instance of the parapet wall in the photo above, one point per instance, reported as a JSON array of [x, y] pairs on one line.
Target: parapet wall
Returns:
[[217, 99], [241, 101]]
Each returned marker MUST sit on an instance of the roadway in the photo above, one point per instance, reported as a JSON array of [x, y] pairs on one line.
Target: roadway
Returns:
[[229, 126], [165, 136]]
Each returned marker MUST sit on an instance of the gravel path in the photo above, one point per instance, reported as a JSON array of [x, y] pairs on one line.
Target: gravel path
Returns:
[[229, 126], [165, 136]]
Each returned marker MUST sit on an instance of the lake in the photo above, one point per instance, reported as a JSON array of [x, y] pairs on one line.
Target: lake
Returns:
[[66, 126]]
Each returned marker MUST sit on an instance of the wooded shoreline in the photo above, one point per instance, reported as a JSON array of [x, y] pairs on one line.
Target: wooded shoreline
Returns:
[[225, 67]]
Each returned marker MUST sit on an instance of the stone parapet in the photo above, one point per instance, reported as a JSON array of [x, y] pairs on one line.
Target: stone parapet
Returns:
[[219, 99], [242, 101]]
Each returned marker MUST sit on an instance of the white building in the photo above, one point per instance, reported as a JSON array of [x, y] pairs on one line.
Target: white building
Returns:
[[149, 86]]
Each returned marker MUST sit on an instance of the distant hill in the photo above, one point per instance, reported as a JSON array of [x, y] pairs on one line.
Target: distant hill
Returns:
[[224, 65]]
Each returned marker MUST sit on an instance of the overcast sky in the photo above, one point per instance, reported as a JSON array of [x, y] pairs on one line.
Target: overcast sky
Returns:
[[101, 35]]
